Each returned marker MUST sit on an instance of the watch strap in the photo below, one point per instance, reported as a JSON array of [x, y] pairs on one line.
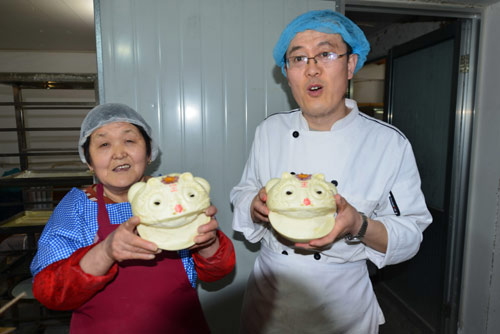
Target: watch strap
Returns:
[[354, 239]]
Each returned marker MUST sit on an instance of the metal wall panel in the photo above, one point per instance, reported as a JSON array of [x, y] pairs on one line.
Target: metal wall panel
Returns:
[[201, 72]]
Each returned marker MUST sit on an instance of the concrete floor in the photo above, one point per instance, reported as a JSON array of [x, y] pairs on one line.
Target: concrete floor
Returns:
[[29, 317], [396, 320], [29, 313]]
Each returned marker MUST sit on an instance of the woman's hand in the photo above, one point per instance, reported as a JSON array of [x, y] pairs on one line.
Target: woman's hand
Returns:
[[258, 209], [206, 242], [122, 244]]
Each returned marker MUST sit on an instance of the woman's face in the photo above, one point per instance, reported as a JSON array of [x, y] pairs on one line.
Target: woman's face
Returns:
[[118, 154]]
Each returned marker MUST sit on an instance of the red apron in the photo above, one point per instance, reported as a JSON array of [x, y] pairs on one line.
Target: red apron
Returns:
[[145, 296]]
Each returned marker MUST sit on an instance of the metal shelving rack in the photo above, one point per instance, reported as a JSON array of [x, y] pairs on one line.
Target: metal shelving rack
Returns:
[[54, 181], [20, 81], [44, 81]]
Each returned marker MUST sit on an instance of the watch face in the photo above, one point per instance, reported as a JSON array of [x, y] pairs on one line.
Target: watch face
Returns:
[[351, 240]]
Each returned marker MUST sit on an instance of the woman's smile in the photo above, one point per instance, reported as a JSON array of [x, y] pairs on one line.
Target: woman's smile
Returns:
[[119, 158]]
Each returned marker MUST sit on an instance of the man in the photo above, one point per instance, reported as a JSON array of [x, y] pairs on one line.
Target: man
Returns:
[[323, 286]]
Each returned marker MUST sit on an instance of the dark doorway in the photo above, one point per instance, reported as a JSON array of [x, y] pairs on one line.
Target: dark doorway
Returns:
[[421, 95], [420, 99]]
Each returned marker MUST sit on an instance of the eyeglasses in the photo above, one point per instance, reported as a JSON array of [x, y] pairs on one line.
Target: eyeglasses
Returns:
[[323, 58]]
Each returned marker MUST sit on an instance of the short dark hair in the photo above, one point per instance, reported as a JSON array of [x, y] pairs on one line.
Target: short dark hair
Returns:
[[349, 49], [147, 139]]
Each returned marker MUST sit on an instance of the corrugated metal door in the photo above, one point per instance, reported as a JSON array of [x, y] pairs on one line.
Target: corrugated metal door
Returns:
[[202, 74]]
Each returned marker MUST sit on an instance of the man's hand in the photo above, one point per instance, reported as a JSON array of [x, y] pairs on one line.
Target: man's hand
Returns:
[[348, 220], [258, 209]]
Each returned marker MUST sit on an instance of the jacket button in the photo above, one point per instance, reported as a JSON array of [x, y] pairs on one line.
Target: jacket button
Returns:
[[317, 256], [284, 252], [295, 134]]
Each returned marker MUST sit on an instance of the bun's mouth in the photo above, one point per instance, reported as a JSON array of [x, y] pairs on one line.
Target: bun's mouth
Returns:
[[300, 229], [173, 221], [305, 212], [173, 239]]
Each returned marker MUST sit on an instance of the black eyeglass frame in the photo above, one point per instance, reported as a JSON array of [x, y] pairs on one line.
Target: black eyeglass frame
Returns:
[[287, 60]]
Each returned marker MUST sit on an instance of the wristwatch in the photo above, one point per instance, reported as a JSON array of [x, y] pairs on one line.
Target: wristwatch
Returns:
[[356, 239]]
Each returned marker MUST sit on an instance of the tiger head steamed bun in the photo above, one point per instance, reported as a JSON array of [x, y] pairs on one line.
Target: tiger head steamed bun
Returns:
[[171, 209], [301, 207]]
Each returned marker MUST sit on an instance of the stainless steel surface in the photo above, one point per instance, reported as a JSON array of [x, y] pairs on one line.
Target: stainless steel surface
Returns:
[[460, 172], [52, 81]]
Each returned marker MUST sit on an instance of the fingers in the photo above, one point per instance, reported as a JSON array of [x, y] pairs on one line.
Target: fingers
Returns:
[[131, 224], [346, 215], [211, 211], [262, 194], [327, 239], [322, 242], [207, 233], [212, 225], [258, 209], [125, 244], [340, 202]]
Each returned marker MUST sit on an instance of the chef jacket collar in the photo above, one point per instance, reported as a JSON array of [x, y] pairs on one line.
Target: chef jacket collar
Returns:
[[341, 123]]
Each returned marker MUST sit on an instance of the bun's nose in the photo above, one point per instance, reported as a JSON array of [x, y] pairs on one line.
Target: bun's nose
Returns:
[[178, 208], [307, 201]]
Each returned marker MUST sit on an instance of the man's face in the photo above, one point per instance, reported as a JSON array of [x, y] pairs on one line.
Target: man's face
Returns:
[[319, 89]]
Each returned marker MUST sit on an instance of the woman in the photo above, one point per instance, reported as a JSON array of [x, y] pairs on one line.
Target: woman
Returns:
[[90, 258]]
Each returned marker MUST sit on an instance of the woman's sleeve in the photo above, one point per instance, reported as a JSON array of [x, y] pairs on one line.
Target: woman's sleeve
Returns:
[[218, 265], [63, 285]]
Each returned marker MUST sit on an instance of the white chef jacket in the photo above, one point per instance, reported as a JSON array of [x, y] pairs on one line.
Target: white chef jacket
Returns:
[[376, 172]]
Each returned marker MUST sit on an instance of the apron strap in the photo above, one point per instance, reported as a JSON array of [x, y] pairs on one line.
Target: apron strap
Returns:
[[102, 214]]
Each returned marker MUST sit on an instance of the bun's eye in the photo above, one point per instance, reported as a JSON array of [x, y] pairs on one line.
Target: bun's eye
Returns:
[[289, 193], [157, 202], [191, 195], [319, 192]]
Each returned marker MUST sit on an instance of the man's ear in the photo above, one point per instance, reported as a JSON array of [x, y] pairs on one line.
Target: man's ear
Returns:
[[351, 65]]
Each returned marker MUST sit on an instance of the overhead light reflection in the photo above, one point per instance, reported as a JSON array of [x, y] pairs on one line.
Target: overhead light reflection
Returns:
[[123, 50], [191, 113]]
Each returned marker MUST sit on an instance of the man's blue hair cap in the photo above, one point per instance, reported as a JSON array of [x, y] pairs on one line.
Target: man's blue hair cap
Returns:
[[327, 21]]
